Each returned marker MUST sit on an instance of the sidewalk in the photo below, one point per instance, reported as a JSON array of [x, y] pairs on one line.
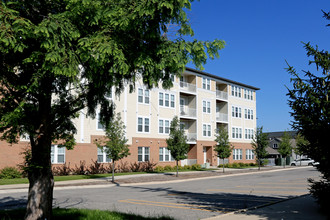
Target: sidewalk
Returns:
[[303, 207]]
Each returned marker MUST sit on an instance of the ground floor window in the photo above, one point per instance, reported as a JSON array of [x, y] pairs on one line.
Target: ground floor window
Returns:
[[165, 154], [102, 156], [57, 154], [249, 154], [143, 154], [237, 154]]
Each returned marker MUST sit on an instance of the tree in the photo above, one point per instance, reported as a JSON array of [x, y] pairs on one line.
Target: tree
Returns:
[[285, 148], [223, 147], [115, 145], [177, 142], [259, 144], [58, 58], [309, 101], [301, 143]]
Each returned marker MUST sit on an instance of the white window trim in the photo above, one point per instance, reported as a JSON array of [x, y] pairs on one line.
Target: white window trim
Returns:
[[207, 82], [56, 154], [143, 124], [104, 156], [249, 133], [237, 133], [249, 154], [234, 112], [170, 95], [143, 96], [163, 155], [143, 154], [237, 154], [207, 107], [98, 122], [208, 130], [164, 120]]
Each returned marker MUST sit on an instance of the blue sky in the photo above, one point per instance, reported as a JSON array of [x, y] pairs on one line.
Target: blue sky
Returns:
[[260, 35]]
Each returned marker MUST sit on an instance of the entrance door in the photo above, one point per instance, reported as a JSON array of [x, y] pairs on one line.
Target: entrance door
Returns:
[[204, 152]]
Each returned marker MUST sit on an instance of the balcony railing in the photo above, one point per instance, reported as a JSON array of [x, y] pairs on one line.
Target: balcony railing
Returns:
[[221, 117], [222, 95], [187, 87], [192, 137], [186, 111]]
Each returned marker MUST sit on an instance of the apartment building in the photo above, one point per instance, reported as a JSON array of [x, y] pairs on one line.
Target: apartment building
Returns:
[[202, 101]]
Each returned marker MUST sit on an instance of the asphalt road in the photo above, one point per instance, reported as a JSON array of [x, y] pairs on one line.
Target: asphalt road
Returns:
[[193, 199]]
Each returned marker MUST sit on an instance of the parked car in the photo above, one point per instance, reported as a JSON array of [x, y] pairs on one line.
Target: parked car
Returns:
[[304, 162]]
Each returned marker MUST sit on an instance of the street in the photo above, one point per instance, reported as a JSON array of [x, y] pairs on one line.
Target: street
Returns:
[[193, 199]]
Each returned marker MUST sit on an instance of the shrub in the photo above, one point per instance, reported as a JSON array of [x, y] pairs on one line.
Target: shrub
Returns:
[[168, 168], [235, 165], [187, 167], [196, 167], [252, 164], [159, 169], [149, 166], [123, 167], [10, 173], [320, 190], [96, 168], [81, 169], [241, 164], [62, 170], [135, 167]]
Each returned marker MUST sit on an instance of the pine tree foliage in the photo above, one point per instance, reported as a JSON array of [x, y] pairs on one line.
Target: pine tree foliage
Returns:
[[309, 101]]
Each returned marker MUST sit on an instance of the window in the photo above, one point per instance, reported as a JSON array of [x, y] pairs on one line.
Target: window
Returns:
[[164, 126], [143, 154], [102, 156], [169, 100], [236, 112], [206, 106], [57, 154], [248, 114], [236, 133], [249, 154], [248, 94], [236, 91], [161, 99], [275, 146], [165, 154], [206, 130], [143, 96], [143, 124], [237, 154], [249, 133], [100, 126], [206, 83]]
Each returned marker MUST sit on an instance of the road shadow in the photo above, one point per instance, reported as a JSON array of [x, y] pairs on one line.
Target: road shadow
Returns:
[[212, 201]]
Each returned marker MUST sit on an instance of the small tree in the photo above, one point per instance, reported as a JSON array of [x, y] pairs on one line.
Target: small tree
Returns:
[[114, 145], [177, 142], [222, 147], [285, 148], [301, 143], [259, 144]]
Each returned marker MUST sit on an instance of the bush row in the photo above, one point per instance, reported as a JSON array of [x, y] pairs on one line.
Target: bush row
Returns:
[[238, 165], [169, 168]]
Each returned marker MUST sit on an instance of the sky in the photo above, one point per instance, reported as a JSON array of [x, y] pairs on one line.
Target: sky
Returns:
[[260, 36]]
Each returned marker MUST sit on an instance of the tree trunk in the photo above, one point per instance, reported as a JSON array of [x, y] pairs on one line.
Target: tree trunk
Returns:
[[40, 196], [177, 171], [223, 165], [113, 171], [259, 164]]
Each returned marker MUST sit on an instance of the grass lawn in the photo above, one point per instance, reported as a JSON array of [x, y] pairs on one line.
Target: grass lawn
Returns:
[[75, 214]]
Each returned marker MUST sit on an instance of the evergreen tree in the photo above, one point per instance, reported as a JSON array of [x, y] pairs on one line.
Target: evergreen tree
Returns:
[[114, 145], [309, 101], [58, 58], [177, 142], [285, 148], [222, 147], [259, 144]]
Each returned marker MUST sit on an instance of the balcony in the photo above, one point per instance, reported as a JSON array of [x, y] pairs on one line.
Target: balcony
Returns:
[[222, 95], [185, 111], [192, 137], [221, 117], [184, 86]]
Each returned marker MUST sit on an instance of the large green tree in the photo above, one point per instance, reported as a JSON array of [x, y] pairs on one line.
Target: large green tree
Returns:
[[115, 143], [59, 57], [259, 145], [223, 147], [177, 142], [309, 100]]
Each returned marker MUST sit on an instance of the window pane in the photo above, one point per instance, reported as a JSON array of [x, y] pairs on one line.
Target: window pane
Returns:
[[167, 126], [161, 129], [146, 125], [100, 158], [60, 159], [167, 99], [161, 99], [146, 96], [140, 98]]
